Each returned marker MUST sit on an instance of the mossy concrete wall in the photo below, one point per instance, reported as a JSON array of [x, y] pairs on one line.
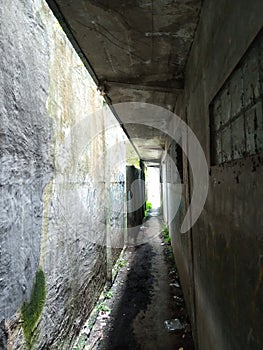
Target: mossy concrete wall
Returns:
[[62, 168]]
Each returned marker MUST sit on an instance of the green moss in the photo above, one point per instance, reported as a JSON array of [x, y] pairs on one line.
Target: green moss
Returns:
[[31, 311]]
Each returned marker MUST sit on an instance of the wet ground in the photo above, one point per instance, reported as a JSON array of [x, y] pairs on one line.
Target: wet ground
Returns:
[[144, 309]]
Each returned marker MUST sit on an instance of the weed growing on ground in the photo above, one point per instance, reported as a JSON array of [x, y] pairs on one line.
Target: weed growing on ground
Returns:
[[121, 262], [102, 307], [148, 208], [165, 233], [109, 294], [81, 343]]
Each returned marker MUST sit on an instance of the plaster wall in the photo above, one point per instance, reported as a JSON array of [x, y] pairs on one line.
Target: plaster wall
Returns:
[[226, 256], [62, 167]]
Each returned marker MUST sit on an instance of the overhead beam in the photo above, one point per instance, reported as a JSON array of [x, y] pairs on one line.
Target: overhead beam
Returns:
[[158, 86]]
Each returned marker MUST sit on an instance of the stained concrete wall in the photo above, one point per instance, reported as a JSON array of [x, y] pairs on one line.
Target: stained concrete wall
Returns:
[[175, 200], [135, 186], [57, 182], [220, 259]]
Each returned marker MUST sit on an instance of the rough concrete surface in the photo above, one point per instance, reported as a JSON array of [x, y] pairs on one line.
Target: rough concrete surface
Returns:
[[26, 155], [59, 206], [223, 280], [137, 38], [62, 199]]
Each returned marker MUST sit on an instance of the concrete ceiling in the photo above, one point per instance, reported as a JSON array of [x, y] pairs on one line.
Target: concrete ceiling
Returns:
[[138, 50]]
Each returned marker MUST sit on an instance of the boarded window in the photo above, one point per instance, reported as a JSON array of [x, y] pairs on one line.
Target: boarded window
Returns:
[[236, 112]]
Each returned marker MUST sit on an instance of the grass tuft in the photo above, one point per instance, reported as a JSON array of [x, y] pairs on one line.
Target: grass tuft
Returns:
[[166, 236]]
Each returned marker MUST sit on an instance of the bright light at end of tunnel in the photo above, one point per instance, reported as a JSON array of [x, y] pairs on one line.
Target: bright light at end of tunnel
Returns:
[[153, 186]]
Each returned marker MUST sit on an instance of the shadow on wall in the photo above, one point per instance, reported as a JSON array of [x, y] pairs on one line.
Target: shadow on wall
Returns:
[[135, 187]]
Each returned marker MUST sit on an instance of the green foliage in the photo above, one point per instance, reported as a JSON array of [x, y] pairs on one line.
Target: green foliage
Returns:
[[81, 343], [167, 238], [165, 231], [148, 205], [109, 294], [121, 262], [31, 311], [148, 208], [103, 307]]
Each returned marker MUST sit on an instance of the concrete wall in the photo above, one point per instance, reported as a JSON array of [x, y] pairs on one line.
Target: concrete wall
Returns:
[[175, 199], [57, 182], [220, 261], [135, 186]]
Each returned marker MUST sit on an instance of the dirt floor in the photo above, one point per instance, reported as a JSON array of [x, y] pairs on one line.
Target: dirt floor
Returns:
[[145, 294]]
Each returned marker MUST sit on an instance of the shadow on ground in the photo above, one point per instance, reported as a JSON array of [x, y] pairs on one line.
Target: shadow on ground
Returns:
[[145, 294], [135, 298]]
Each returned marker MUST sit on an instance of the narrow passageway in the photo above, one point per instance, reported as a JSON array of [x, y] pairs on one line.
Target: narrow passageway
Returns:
[[107, 110], [145, 294]]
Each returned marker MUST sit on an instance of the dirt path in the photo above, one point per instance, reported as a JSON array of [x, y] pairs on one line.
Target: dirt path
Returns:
[[144, 295]]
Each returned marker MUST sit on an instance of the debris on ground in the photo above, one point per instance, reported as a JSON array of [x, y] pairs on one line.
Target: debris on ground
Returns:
[[174, 325], [175, 284], [146, 291]]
